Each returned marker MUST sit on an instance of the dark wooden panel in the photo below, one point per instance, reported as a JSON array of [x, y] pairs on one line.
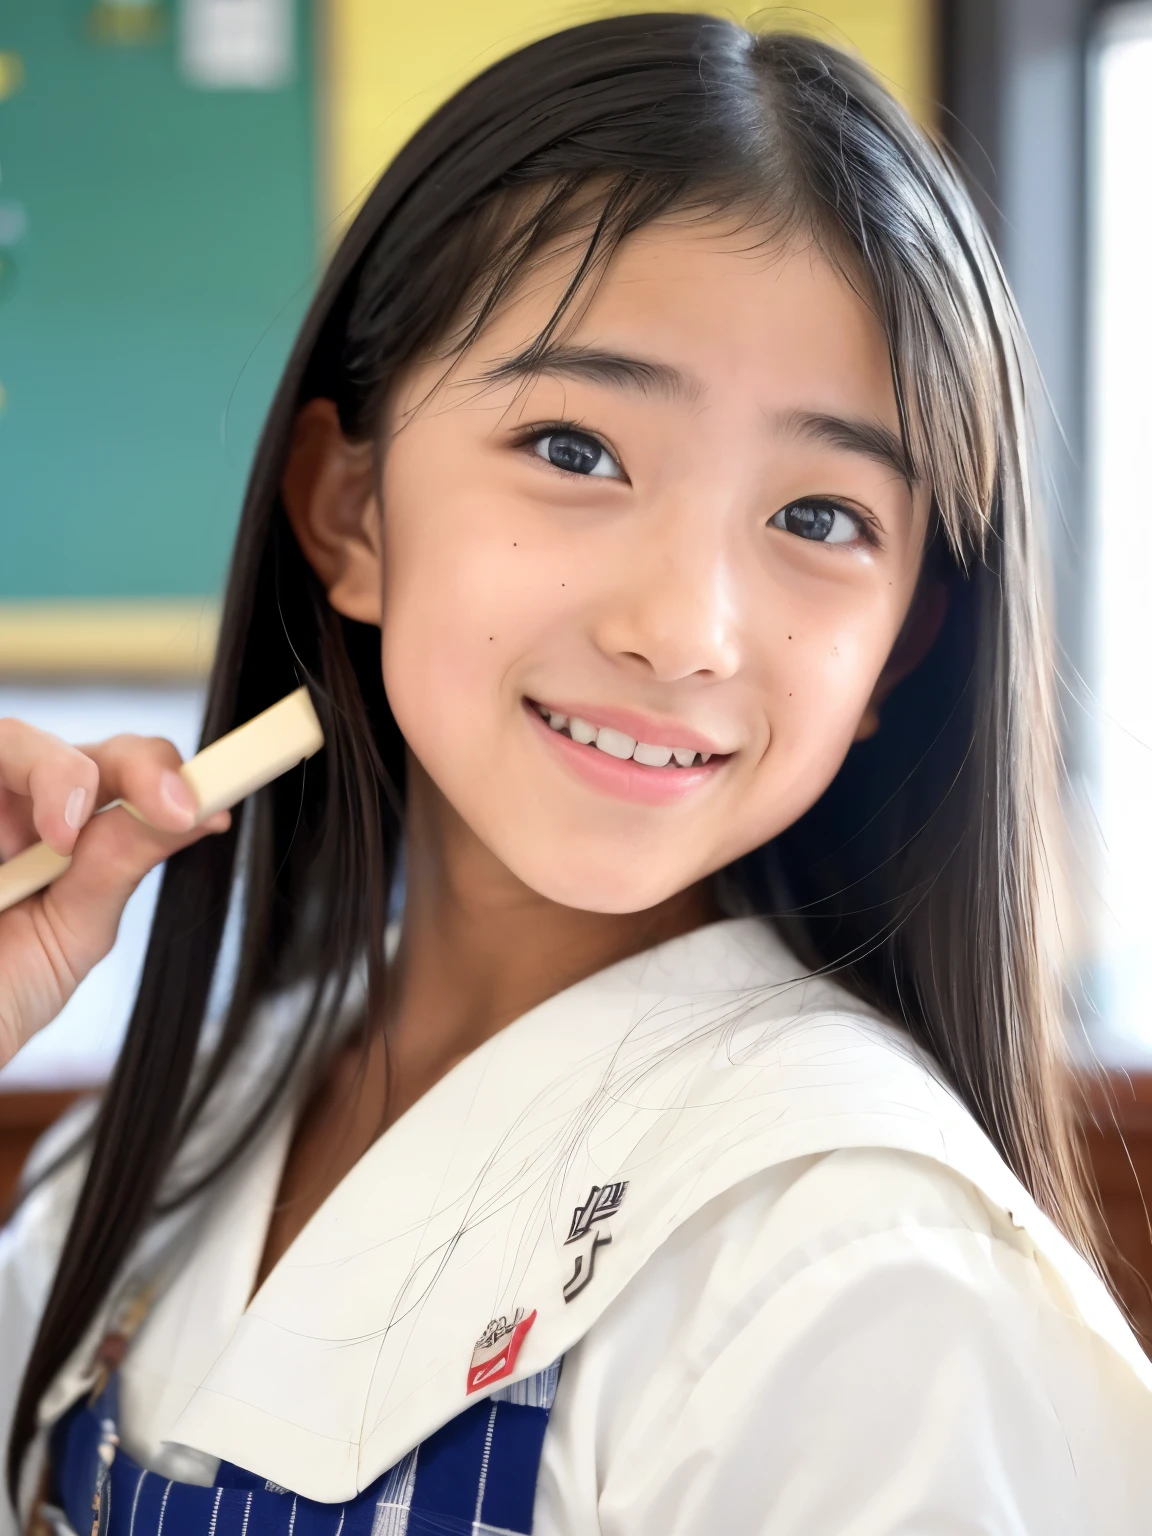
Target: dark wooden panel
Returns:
[[1118, 1138], [24, 1117]]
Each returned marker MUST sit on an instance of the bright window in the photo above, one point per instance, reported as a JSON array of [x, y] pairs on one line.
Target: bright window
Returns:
[[1120, 328]]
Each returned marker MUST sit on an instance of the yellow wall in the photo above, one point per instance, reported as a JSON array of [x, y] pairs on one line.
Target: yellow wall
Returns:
[[389, 65]]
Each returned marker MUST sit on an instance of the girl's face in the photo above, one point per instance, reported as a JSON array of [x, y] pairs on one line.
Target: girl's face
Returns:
[[638, 600]]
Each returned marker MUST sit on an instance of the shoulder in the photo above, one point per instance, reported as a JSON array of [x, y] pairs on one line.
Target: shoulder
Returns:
[[783, 1076], [867, 1310], [826, 1224], [830, 1220]]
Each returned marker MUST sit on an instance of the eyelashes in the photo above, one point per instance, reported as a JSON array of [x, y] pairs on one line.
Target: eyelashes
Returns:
[[575, 451], [824, 520]]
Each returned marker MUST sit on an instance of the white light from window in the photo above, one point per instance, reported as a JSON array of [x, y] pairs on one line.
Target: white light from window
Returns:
[[1120, 288]]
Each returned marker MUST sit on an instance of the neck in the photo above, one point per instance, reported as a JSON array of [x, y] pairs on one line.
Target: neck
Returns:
[[479, 948]]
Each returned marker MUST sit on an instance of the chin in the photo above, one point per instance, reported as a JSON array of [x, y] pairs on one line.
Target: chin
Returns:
[[592, 884]]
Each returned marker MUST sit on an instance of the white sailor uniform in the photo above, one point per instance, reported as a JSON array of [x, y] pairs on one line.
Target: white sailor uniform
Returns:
[[794, 1287]]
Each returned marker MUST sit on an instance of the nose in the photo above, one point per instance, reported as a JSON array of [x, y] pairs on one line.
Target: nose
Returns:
[[673, 611]]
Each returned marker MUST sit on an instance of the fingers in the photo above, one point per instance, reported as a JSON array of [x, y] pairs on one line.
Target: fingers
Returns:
[[113, 854], [17, 828], [116, 850], [119, 847], [51, 789], [51, 940], [144, 770], [60, 782]]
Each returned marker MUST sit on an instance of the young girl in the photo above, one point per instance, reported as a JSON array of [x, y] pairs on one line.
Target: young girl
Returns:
[[646, 506]]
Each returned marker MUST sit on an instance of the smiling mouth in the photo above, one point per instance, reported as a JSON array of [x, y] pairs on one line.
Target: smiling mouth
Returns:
[[617, 744]]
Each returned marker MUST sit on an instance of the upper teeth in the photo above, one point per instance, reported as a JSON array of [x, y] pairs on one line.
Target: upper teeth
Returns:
[[617, 744]]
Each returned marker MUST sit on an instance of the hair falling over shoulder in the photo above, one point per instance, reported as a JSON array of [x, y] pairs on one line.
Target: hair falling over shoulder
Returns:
[[920, 882]]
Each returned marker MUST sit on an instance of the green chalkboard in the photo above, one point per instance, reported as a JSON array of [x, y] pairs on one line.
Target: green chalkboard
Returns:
[[159, 245]]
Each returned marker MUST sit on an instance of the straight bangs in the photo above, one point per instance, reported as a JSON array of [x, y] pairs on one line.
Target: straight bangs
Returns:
[[881, 201]]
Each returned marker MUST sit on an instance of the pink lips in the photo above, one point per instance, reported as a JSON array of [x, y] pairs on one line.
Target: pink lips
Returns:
[[624, 777]]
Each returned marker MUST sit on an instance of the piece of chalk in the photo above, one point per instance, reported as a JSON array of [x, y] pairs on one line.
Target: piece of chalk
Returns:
[[254, 754], [220, 776], [30, 871]]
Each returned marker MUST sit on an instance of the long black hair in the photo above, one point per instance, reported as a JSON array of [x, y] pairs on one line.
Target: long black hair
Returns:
[[922, 883]]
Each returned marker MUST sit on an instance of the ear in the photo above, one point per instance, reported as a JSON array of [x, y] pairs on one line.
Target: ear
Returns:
[[915, 640], [330, 496]]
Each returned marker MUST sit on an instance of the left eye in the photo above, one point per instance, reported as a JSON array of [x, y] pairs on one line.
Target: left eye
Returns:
[[577, 453], [821, 521]]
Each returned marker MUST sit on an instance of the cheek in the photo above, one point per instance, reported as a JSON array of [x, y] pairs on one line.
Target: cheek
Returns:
[[463, 599], [445, 639], [819, 667], [827, 673]]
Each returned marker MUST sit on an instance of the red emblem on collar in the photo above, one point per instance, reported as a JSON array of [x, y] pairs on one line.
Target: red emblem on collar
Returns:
[[496, 1349]]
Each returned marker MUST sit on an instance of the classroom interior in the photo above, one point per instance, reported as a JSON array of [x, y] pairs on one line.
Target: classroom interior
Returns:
[[172, 175]]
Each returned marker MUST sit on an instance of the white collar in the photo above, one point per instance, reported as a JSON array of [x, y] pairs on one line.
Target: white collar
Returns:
[[679, 1072]]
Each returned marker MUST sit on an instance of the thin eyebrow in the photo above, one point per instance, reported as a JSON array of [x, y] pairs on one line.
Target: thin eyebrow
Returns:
[[870, 438], [597, 367]]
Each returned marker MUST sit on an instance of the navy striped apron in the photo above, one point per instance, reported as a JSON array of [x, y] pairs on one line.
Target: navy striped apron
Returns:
[[474, 1477]]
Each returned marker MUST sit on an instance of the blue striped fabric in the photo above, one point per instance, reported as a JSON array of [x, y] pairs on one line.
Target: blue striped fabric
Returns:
[[474, 1477]]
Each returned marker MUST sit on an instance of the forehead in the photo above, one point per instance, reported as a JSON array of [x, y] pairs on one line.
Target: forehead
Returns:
[[733, 312]]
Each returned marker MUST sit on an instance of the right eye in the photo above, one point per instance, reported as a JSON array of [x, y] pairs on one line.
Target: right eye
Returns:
[[820, 520], [576, 453]]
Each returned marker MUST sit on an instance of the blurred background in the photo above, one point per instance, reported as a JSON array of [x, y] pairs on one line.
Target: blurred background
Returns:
[[172, 173]]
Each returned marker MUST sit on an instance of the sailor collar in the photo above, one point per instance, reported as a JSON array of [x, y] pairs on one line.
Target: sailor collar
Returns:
[[486, 1231]]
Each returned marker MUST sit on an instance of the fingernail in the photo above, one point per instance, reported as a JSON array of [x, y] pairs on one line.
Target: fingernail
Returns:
[[176, 793], [74, 807]]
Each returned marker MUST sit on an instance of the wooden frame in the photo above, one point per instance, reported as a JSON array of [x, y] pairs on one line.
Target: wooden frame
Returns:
[[158, 639]]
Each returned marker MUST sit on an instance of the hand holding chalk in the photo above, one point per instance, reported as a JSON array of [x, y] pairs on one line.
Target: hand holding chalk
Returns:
[[49, 943], [219, 777]]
